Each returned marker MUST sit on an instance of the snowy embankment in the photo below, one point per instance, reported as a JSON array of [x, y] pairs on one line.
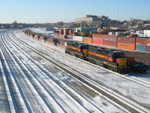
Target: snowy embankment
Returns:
[[41, 30]]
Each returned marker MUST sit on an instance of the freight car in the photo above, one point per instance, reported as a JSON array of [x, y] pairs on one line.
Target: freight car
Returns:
[[108, 58]]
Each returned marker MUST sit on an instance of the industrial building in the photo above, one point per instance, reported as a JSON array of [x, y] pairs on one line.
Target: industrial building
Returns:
[[92, 18]]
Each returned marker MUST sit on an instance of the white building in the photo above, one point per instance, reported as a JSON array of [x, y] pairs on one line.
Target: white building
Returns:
[[147, 33], [91, 18]]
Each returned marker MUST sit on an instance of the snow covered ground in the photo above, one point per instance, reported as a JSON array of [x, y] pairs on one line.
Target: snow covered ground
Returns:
[[41, 30], [133, 89], [120, 84]]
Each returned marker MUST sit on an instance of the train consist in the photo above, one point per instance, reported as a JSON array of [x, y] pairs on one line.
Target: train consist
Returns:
[[108, 58]]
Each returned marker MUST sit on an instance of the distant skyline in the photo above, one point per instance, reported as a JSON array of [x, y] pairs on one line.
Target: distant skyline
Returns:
[[50, 11]]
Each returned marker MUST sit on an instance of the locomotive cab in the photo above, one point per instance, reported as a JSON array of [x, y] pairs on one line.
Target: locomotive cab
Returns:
[[83, 48], [118, 57]]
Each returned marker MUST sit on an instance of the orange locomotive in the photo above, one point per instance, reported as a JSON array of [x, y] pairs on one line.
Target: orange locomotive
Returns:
[[108, 58]]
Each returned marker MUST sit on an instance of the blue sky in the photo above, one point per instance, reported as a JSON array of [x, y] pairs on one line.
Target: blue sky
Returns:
[[33, 11]]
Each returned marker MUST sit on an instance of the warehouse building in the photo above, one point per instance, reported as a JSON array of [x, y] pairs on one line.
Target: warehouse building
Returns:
[[92, 18]]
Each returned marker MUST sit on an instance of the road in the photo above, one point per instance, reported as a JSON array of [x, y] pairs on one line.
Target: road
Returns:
[[37, 77]]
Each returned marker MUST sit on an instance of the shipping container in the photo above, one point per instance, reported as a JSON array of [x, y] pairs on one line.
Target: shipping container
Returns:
[[66, 31], [110, 43], [148, 42], [98, 41], [78, 38], [56, 31], [128, 46], [87, 39], [37, 36], [133, 35], [70, 31], [106, 37], [61, 31], [141, 41], [140, 47], [110, 37], [97, 36], [148, 48], [130, 40]]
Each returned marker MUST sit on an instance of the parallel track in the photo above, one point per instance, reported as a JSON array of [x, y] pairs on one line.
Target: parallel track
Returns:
[[88, 82], [32, 76]]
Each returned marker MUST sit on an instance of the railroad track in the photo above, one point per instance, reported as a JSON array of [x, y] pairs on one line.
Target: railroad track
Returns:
[[62, 81], [42, 87], [24, 99], [79, 77], [4, 104]]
